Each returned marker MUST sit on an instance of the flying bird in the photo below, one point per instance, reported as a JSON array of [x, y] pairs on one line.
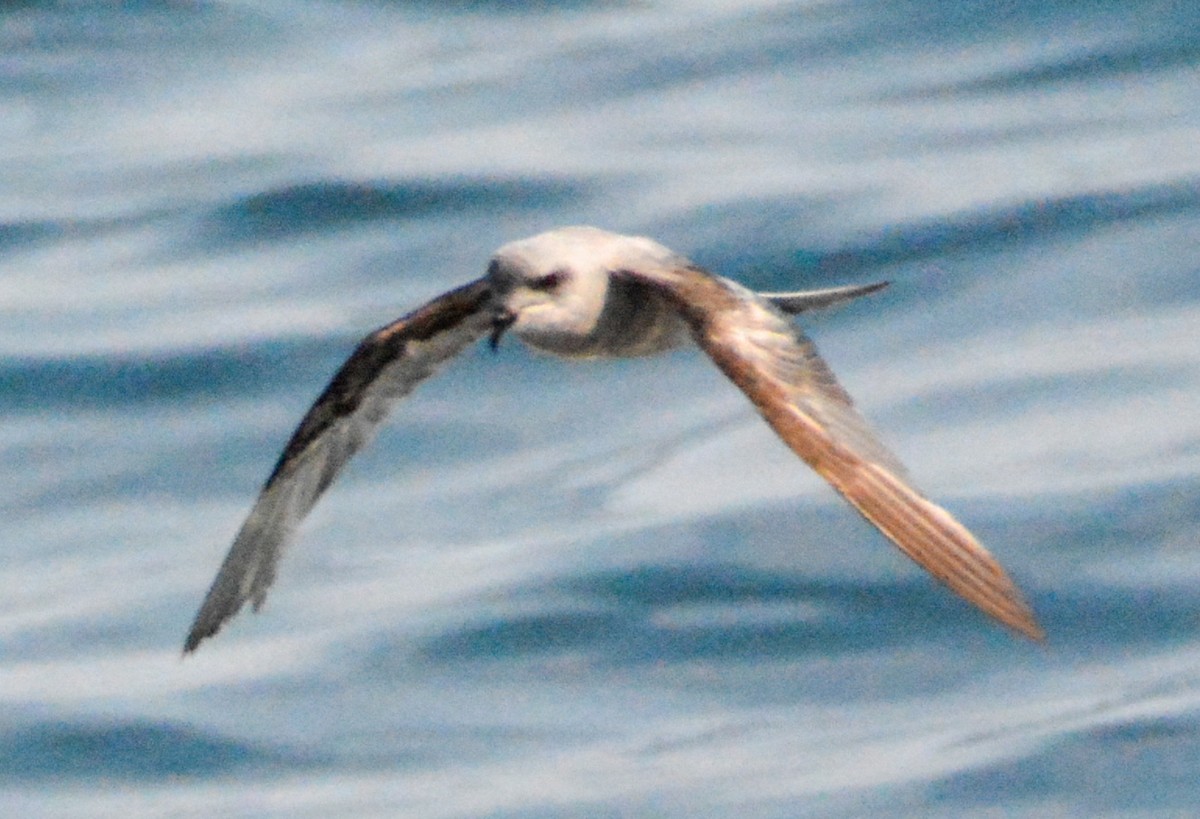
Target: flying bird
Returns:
[[582, 292]]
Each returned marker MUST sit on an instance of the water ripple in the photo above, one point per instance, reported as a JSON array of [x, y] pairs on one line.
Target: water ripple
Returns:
[[328, 205], [135, 751]]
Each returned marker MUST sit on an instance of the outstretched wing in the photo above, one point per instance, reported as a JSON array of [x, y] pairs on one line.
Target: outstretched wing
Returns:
[[387, 365], [778, 368]]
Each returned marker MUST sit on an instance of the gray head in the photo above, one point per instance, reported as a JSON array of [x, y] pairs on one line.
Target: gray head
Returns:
[[553, 289]]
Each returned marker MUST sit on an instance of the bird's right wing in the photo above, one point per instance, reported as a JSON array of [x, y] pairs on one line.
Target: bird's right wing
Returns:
[[387, 365]]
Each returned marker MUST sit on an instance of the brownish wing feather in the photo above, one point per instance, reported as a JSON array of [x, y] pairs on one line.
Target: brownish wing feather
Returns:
[[387, 365], [778, 368]]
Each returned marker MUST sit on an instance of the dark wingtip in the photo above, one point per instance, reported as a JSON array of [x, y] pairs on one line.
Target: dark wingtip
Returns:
[[195, 637], [209, 620]]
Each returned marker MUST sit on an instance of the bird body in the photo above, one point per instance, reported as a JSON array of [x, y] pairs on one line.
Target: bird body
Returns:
[[578, 293]]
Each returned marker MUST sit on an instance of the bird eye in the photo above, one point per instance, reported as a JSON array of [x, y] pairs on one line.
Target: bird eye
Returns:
[[550, 281]]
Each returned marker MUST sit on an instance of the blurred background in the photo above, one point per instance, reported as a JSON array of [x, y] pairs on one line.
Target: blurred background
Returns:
[[506, 608]]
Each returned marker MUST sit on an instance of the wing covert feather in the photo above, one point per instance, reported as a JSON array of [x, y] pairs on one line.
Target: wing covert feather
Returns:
[[386, 366]]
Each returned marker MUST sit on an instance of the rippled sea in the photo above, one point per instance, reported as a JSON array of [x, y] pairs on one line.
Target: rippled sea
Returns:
[[598, 590]]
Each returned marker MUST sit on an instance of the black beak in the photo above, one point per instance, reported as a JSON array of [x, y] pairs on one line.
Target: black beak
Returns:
[[501, 321]]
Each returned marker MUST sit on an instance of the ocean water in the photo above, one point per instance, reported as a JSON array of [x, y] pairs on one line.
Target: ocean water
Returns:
[[553, 590]]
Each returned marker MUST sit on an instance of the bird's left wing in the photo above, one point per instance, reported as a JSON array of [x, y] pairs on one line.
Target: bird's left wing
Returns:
[[779, 370], [387, 365]]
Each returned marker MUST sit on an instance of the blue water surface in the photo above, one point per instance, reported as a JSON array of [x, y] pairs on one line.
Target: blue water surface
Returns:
[[603, 589]]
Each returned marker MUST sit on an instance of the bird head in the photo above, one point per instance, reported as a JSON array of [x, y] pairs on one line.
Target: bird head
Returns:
[[551, 289]]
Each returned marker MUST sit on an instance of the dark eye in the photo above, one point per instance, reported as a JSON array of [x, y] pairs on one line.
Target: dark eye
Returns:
[[550, 281]]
